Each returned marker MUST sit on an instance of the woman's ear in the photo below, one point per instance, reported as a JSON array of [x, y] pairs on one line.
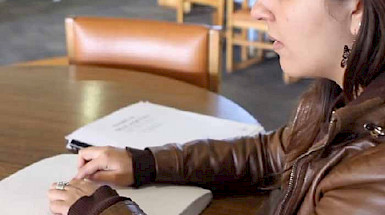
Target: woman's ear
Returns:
[[357, 10]]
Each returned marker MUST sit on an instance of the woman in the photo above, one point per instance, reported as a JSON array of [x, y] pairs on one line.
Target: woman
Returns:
[[328, 160]]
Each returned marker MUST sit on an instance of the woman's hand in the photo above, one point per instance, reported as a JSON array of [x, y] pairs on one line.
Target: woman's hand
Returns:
[[106, 164], [60, 201]]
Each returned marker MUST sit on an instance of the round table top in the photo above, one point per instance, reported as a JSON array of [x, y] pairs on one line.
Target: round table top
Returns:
[[40, 105]]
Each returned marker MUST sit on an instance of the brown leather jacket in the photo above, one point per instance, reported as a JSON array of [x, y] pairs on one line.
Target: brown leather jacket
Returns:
[[332, 177]]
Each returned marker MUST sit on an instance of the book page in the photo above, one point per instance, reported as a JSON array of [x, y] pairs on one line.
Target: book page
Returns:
[[25, 192], [145, 124]]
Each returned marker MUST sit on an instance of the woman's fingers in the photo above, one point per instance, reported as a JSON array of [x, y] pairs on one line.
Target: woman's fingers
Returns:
[[86, 187], [62, 199], [103, 176], [91, 168], [105, 164], [59, 207], [56, 195], [88, 154]]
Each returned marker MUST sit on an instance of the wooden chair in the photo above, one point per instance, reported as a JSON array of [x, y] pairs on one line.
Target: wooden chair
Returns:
[[218, 16], [53, 61], [173, 4], [241, 19], [189, 53]]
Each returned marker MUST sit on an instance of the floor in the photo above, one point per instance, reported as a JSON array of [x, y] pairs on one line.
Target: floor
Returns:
[[35, 29]]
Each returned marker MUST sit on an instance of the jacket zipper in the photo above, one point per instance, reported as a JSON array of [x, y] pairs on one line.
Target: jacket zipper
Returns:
[[291, 178], [294, 169], [290, 186]]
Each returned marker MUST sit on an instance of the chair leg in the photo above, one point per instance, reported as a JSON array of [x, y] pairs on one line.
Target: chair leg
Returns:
[[229, 36], [187, 7], [220, 12], [244, 36], [229, 50], [215, 18], [261, 38], [179, 11]]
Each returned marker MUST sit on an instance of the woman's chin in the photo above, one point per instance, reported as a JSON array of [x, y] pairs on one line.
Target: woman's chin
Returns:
[[292, 74], [291, 70]]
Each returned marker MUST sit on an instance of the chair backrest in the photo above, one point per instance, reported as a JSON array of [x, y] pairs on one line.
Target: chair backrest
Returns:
[[244, 5], [190, 53]]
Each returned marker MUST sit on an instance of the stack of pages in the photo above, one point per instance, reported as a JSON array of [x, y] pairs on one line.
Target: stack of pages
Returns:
[[145, 124], [139, 125]]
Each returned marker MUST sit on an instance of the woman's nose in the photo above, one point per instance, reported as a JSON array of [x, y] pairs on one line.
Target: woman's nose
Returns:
[[261, 12]]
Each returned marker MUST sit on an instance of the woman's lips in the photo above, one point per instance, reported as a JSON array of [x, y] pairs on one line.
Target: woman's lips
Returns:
[[277, 45]]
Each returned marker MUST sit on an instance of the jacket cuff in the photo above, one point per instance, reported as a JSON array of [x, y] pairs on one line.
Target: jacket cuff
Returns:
[[168, 163], [103, 198], [143, 163]]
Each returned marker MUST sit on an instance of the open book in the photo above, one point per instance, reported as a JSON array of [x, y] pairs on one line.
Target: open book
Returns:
[[25, 192], [145, 124], [139, 125]]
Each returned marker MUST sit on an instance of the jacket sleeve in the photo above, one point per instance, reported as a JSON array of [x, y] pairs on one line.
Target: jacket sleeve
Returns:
[[223, 164], [127, 207], [105, 201]]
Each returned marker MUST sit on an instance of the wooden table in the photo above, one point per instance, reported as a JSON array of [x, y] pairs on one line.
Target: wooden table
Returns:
[[40, 105]]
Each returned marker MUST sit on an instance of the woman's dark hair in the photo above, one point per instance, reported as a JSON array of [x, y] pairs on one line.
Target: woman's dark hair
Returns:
[[366, 62]]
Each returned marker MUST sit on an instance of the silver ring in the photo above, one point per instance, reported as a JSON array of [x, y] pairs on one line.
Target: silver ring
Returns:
[[61, 185]]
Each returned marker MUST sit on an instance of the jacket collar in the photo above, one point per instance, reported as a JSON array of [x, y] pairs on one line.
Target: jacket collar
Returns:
[[367, 108]]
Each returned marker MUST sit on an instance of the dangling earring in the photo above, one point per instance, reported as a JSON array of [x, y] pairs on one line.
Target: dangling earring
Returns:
[[347, 50], [345, 56]]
